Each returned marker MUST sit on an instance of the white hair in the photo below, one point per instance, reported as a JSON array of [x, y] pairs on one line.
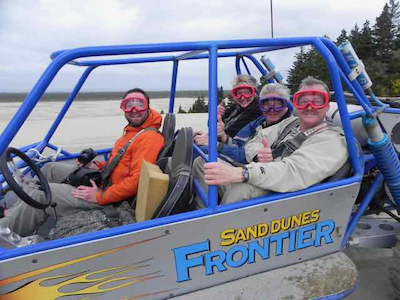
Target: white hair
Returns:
[[278, 88]]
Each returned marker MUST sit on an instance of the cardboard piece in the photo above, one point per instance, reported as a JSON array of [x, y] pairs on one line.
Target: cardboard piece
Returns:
[[153, 186]]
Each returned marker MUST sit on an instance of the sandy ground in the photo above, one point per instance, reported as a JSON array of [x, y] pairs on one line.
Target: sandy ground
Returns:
[[86, 124], [99, 124]]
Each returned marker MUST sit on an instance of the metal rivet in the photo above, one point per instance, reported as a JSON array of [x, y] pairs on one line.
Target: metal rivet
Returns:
[[266, 209], [166, 231], [34, 261]]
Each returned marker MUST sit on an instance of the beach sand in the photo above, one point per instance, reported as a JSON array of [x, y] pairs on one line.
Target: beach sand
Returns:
[[87, 124], [99, 124]]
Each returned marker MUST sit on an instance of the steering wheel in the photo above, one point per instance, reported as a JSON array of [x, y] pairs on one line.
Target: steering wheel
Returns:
[[7, 164]]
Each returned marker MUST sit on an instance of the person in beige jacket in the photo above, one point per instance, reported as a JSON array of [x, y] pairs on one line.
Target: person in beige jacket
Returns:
[[271, 166]]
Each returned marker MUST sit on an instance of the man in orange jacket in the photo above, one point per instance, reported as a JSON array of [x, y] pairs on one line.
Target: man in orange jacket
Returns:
[[145, 145]]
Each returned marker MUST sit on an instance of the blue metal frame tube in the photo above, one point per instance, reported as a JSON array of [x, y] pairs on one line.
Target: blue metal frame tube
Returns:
[[68, 103], [200, 192], [361, 209], [200, 152], [245, 65], [341, 102], [173, 86], [344, 67], [212, 119], [237, 65], [365, 106], [257, 64]]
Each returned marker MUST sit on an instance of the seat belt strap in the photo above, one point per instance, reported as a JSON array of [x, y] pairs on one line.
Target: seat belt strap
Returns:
[[105, 174], [287, 147]]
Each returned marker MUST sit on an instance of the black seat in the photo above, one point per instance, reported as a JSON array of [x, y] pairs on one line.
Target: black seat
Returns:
[[168, 133], [179, 168]]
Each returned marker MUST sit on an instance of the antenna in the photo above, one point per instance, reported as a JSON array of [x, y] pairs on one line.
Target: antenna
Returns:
[[272, 21]]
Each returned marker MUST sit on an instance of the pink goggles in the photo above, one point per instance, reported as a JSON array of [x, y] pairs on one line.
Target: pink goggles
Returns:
[[314, 98], [134, 104], [243, 91]]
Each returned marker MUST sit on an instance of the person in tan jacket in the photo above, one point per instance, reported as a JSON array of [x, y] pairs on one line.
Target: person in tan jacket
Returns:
[[273, 168], [146, 145]]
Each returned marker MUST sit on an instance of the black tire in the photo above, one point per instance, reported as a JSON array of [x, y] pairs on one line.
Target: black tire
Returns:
[[394, 270], [5, 158]]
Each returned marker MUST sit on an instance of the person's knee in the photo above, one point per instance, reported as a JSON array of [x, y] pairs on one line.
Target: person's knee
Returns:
[[198, 165], [241, 191], [37, 195]]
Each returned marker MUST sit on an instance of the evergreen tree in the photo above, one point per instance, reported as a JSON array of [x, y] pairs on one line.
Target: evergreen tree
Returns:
[[199, 106], [384, 34], [181, 110], [354, 36], [220, 94], [342, 37], [162, 111], [366, 48], [378, 46], [308, 63]]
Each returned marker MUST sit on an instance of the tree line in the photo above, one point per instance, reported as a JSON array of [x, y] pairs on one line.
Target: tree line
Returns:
[[378, 46]]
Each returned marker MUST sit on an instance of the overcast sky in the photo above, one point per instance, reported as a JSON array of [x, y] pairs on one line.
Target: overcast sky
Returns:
[[31, 30]]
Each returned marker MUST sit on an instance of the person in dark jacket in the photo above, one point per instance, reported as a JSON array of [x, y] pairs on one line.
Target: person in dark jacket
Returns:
[[231, 120], [232, 149], [245, 109]]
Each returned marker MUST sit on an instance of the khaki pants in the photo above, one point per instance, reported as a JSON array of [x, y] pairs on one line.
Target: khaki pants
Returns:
[[24, 219], [230, 193]]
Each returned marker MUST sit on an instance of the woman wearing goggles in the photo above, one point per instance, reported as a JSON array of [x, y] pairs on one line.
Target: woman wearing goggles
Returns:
[[243, 91], [244, 110], [273, 102]]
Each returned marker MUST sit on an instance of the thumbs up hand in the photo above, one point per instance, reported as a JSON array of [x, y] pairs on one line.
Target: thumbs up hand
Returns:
[[265, 153], [222, 136], [221, 108]]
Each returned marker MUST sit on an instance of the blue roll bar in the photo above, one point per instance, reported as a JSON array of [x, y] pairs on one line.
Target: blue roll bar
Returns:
[[193, 50]]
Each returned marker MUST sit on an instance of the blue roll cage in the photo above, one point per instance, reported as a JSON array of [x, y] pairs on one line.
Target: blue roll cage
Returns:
[[211, 50]]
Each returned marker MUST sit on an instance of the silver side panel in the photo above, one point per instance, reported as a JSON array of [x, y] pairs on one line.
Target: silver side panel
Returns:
[[391, 123], [182, 257]]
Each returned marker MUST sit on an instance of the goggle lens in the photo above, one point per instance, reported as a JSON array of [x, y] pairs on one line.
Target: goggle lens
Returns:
[[272, 103], [134, 104], [243, 91], [313, 98]]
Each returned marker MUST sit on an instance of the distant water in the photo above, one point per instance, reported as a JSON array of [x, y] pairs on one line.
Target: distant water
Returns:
[[94, 124]]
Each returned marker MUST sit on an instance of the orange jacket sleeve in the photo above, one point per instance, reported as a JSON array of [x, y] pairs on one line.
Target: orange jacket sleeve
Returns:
[[146, 147]]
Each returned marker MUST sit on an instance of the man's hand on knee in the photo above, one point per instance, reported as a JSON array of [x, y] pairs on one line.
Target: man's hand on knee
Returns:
[[216, 173], [86, 193]]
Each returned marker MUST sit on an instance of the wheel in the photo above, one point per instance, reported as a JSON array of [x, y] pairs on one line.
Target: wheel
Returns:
[[394, 270], [7, 164]]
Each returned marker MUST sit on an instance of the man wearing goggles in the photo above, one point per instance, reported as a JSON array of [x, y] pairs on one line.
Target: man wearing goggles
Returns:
[[139, 144], [312, 104], [136, 108], [297, 152]]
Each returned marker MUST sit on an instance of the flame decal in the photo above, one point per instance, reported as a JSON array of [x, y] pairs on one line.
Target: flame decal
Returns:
[[113, 280]]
